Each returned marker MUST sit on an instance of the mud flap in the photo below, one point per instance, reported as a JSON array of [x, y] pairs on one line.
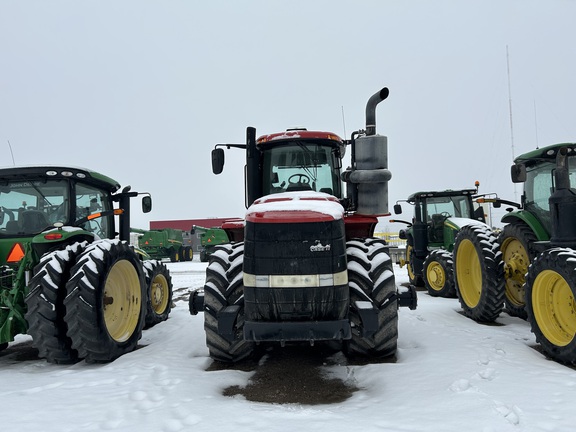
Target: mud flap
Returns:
[[369, 317], [226, 319]]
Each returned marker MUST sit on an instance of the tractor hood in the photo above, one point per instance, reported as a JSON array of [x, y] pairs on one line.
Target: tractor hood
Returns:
[[301, 206]]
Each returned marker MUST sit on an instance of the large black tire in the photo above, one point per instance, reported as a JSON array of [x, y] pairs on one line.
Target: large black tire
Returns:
[[159, 292], [551, 303], [203, 256], [45, 305], [439, 274], [415, 279], [516, 240], [371, 279], [175, 255], [188, 253], [478, 273], [3, 346], [104, 303], [225, 287]]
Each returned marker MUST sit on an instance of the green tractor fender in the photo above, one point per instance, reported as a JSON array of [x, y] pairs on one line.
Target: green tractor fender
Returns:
[[451, 227], [530, 220]]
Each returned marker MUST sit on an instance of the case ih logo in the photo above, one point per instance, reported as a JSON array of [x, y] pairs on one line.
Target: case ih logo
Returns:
[[319, 247]]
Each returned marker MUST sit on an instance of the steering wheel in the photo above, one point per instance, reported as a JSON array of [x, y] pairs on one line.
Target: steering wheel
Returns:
[[446, 214], [302, 179]]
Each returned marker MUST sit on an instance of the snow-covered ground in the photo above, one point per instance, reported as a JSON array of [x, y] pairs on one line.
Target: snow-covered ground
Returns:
[[451, 374]]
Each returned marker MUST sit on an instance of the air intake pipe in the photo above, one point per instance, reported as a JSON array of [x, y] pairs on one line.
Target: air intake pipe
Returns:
[[369, 176]]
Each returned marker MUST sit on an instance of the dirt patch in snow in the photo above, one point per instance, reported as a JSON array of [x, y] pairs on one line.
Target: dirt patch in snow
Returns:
[[296, 375]]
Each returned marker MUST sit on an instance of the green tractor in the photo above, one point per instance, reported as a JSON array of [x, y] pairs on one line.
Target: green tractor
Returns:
[[530, 268], [209, 239], [165, 243], [64, 277], [438, 216]]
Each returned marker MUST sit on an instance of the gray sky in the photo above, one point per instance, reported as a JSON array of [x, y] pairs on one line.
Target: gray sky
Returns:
[[142, 90]]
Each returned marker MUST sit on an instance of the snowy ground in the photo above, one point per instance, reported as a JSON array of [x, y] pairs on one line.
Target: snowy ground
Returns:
[[451, 374]]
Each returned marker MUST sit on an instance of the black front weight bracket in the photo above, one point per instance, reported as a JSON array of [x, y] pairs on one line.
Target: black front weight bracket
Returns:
[[407, 297]]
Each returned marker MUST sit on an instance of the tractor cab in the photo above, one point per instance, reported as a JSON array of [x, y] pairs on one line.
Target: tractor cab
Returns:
[[438, 215], [301, 160], [38, 198], [430, 236], [537, 170]]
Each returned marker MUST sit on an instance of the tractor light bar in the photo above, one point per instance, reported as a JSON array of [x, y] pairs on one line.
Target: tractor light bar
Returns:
[[295, 281], [99, 214], [53, 173]]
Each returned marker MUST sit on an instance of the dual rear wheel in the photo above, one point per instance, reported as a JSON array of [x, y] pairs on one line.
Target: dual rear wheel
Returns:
[[551, 305], [92, 301]]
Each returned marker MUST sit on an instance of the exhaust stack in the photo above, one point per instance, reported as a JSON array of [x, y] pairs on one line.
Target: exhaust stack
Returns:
[[374, 100]]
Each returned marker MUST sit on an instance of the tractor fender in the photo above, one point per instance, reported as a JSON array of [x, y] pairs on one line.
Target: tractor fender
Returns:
[[457, 223], [60, 237], [530, 220]]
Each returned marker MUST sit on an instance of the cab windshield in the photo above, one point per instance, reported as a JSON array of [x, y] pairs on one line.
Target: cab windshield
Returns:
[[301, 167], [31, 206], [450, 206]]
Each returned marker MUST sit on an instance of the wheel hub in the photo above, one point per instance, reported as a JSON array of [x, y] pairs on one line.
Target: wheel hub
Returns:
[[436, 276], [554, 307], [121, 301], [516, 262], [469, 273]]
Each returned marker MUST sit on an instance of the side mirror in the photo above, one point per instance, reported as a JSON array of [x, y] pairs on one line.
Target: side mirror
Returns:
[[146, 204], [397, 209], [518, 173], [217, 160]]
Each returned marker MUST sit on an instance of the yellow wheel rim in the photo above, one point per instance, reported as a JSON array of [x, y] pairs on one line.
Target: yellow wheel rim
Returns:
[[554, 309], [436, 276], [409, 252], [122, 301], [159, 293], [516, 262], [469, 273]]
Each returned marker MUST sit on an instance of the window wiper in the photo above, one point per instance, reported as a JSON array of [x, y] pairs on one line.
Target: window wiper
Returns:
[[40, 193]]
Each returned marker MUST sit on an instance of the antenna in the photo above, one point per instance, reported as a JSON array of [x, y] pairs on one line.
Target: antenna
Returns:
[[343, 122], [536, 125], [11, 152], [510, 109]]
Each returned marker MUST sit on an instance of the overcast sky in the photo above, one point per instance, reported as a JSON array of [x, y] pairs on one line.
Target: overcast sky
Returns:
[[142, 90]]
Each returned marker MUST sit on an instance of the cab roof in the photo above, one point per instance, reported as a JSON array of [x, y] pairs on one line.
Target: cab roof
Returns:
[[300, 134], [445, 193], [59, 172], [547, 153]]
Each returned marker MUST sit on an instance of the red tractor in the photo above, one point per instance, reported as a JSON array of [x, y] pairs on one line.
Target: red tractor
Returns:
[[303, 266]]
